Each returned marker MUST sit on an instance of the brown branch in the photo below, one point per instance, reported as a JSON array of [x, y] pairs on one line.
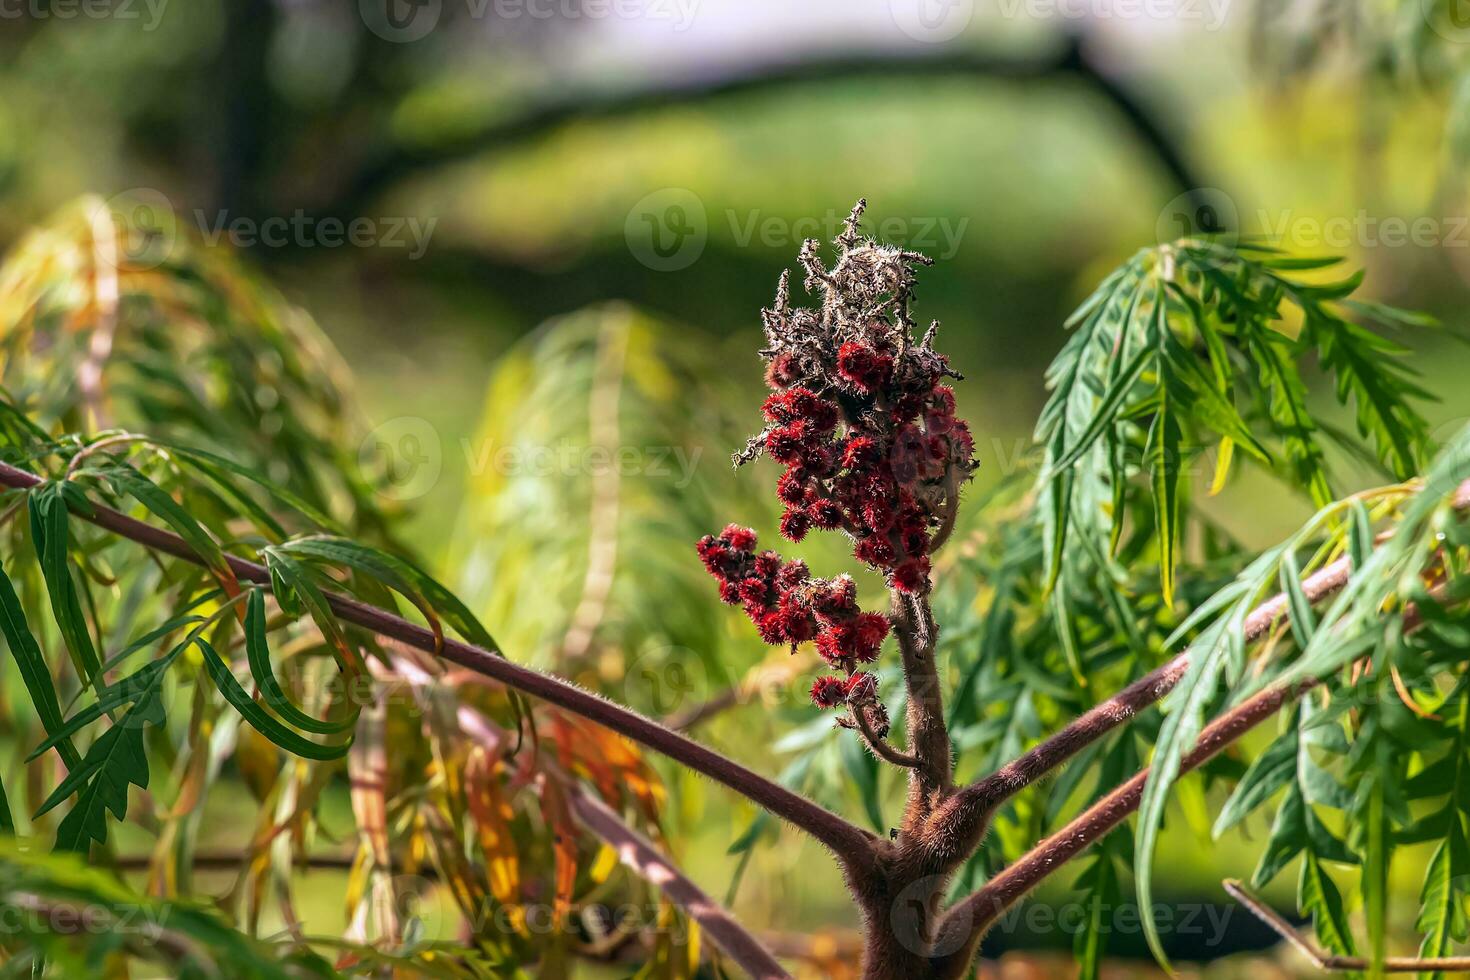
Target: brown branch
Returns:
[[852, 844], [879, 745], [978, 800], [648, 862], [973, 805], [962, 927], [1330, 961]]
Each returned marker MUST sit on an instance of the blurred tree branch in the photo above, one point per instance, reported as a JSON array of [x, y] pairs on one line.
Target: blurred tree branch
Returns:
[[1069, 60]]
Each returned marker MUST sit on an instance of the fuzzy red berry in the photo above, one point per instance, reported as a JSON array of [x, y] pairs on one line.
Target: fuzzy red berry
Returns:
[[791, 488], [825, 514], [912, 575], [771, 627], [872, 629], [862, 367], [739, 538], [797, 621], [792, 574], [767, 564], [837, 599], [831, 648], [753, 592], [941, 400], [795, 524], [784, 445], [861, 452], [876, 550], [829, 691], [783, 371]]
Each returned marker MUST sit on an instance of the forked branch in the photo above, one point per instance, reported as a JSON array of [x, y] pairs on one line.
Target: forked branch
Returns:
[[962, 927], [989, 792]]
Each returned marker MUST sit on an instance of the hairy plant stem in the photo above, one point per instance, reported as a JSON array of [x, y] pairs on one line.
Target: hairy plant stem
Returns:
[[913, 627]]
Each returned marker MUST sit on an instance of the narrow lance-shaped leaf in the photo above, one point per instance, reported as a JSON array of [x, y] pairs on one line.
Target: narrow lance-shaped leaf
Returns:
[[257, 651], [257, 716], [50, 530], [34, 670], [1164, 463]]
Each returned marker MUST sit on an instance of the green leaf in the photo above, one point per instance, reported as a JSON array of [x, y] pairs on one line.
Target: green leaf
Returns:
[[115, 760], [1165, 463], [1090, 944], [49, 529], [34, 670], [1105, 414], [1360, 534], [1318, 897], [164, 507], [1288, 838], [257, 716], [1185, 706], [1272, 769], [1375, 875], [1303, 620], [258, 654]]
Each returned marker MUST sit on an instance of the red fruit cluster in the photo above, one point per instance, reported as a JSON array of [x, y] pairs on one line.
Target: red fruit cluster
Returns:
[[866, 430], [877, 454], [788, 606]]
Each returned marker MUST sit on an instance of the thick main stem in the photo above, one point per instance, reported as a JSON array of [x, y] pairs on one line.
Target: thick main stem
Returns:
[[851, 844], [928, 735]]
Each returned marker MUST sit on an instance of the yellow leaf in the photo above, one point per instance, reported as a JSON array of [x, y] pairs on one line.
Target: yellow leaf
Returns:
[[1222, 465]]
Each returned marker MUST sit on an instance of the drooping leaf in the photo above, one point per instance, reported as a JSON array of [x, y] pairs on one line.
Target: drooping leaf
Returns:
[[34, 670]]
